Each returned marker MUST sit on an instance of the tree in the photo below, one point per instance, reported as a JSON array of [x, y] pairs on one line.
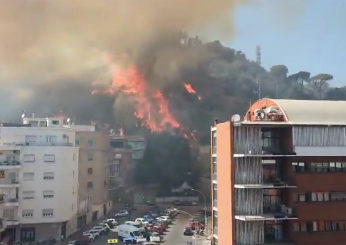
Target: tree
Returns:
[[167, 161], [300, 77], [279, 72], [319, 80]]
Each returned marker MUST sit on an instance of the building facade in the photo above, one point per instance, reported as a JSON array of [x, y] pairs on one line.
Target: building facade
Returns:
[[38, 178], [93, 174], [280, 174]]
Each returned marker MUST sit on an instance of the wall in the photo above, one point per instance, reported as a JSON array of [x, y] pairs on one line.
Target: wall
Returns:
[[319, 211], [65, 183], [225, 183], [172, 199], [99, 152]]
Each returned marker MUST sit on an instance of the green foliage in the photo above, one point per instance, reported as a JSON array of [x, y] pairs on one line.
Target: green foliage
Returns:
[[168, 161]]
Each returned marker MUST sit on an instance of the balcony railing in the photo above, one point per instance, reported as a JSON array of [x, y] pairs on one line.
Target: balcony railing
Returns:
[[9, 163], [9, 181], [214, 176], [278, 209], [215, 230], [214, 150], [59, 143], [215, 203]]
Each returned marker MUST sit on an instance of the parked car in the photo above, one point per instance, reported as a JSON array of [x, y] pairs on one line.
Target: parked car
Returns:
[[113, 221], [122, 213], [88, 236], [165, 219], [78, 242], [196, 226], [177, 202], [150, 203], [142, 221], [95, 233], [188, 232], [102, 229]]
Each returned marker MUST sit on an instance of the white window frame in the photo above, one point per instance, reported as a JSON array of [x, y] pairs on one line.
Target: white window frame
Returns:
[[28, 195], [47, 212], [27, 213], [48, 175], [48, 194], [31, 156], [28, 176], [49, 156]]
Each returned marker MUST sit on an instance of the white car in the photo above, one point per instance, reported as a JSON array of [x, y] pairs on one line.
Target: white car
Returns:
[[113, 221], [90, 236], [95, 233], [122, 213], [142, 221], [103, 229], [164, 218]]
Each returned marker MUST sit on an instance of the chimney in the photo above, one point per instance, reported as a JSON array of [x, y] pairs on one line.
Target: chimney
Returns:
[[33, 115], [216, 121]]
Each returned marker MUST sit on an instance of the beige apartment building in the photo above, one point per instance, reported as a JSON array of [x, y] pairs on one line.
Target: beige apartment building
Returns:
[[93, 170]]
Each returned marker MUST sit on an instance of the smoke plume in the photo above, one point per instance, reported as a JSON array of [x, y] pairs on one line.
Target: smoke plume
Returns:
[[52, 51]]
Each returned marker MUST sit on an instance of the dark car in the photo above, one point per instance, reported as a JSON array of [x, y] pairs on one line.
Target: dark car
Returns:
[[177, 202], [188, 231], [150, 203], [186, 203]]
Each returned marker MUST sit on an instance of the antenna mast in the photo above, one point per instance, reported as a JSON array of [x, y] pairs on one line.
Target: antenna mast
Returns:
[[258, 61], [258, 55]]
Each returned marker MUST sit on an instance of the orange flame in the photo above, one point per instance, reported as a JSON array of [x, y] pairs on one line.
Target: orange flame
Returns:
[[152, 107], [190, 90]]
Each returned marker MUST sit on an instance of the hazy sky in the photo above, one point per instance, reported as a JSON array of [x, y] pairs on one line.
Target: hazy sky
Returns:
[[313, 40]]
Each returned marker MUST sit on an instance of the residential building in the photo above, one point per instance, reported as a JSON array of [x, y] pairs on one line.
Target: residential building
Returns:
[[93, 174], [38, 178], [280, 174], [126, 151]]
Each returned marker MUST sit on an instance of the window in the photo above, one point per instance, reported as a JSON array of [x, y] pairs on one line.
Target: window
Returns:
[[55, 122], [28, 194], [90, 157], [48, 194], [90, 185], [48, 212], [118, 156], [338, 196], [29, 158], [28, 176], [28, 213], [48, 175], [300, 227], [298, 167], [117, 168], [89, 198], [30, 139], [77, 142], [27, 234], [301, 197], [49, 158], [90, 171], [90, 143]]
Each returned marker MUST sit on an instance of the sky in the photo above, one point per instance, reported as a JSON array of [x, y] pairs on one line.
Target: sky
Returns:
[[305, 35]]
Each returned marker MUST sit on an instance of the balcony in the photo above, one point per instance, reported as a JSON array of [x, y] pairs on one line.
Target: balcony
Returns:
[[272, 212], [215, 231], [214, 178], [9, 164], [4, 183], [215, 204], [43, 143]]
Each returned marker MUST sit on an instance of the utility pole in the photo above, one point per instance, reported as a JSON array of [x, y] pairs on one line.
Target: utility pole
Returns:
[[258, 55], [258, 91]]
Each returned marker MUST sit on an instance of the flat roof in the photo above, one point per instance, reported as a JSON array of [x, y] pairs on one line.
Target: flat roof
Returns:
[[313, 112]]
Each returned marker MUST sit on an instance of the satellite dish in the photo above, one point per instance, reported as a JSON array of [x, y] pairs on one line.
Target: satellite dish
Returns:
[[23, 115], [235, 118], [68, 120]]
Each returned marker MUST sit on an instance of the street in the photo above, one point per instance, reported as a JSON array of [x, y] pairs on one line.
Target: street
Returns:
[[173, 235]]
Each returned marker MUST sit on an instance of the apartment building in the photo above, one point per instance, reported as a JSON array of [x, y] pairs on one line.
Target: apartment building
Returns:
[[126, 151], [38, 179], [279, 174], [93, 173]]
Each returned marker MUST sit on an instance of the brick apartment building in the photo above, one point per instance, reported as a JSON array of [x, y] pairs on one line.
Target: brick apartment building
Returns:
[[279, 175]]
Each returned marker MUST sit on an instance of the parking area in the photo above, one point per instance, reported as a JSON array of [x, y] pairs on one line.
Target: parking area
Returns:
[[173, 235]]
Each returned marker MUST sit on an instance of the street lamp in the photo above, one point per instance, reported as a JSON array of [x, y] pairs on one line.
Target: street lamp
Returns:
[[205, 209], [182, 211]]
